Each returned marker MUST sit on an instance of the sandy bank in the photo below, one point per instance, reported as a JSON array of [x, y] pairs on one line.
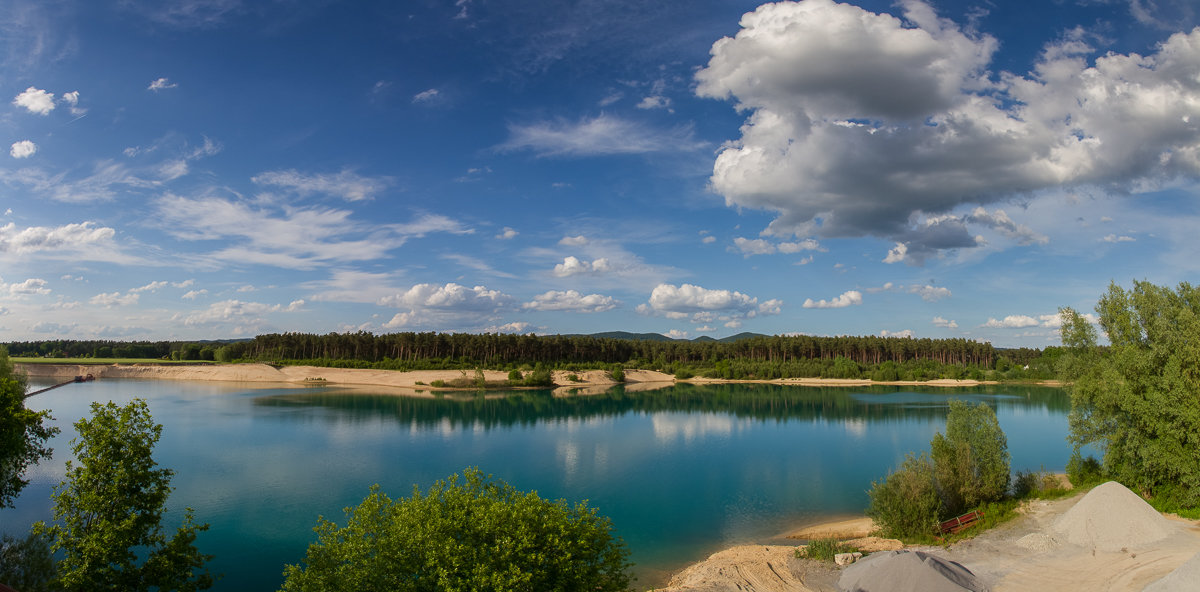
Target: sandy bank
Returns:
[[1035, 551], [589, 382], [263, 373]]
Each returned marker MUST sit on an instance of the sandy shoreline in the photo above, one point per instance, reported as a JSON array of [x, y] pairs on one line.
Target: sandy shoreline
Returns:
[[587, 382]]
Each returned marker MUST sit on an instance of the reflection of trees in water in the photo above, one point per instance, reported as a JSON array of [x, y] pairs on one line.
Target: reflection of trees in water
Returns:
[[754, 401]]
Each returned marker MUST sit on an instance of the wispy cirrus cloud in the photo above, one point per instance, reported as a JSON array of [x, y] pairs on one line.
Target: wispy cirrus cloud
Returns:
[[287, 237], [161, 84], [603, 135], [345, 184]]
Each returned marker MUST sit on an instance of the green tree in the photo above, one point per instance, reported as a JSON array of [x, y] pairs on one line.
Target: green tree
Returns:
[[468, 534], [1139, 398], [23, 433], [109, 510], [971, 461]]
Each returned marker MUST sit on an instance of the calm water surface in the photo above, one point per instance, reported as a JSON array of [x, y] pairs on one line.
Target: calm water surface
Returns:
[[681, 471]]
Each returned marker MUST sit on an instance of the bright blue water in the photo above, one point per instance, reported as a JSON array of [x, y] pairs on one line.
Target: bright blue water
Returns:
[[681, 471]]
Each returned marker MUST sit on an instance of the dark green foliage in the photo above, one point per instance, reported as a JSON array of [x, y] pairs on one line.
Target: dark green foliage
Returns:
[[109, 510], [26, 564], [23, 433], [515, 375], [971, 461], [906, 503], [1085, 472], [466, 534], [540, 376], [1139, 398]]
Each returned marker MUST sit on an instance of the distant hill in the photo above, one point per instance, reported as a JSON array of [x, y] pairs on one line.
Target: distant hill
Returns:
[[740, 336], [630, 336]]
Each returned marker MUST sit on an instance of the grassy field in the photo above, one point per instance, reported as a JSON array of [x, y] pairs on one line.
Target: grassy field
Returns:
[[104, 361]]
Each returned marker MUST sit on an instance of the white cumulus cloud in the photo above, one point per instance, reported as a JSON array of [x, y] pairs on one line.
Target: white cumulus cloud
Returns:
[[22, 149], [571, 300], [945, 324], [832, 90], [702, 305], [1011, 322], [35, 101], [848, 298]]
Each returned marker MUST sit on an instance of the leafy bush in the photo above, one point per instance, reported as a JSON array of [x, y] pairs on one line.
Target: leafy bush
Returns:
[[438, 383], [470, 533], [906, 503], [683, 373], [617, 373], [540, 376], [515, 375], [971, 462]]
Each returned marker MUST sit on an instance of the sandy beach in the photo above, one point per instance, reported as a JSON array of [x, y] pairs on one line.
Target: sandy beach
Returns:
[[586, 382], [414, 382]]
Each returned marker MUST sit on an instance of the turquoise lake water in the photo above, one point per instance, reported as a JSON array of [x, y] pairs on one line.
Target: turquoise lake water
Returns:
[[682, 471]]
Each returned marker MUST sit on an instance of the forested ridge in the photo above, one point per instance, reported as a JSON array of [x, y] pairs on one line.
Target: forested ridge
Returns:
[[758, 356]]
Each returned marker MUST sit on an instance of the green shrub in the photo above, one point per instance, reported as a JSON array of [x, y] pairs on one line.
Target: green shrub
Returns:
[[573, 377], [515, 375], [617, 373], [465, 533], [438, 383], [906, 503], [824, 549], [540, 376], [683, 373]]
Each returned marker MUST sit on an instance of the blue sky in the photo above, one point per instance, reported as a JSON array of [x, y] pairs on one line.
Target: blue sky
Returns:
[[205, 169]]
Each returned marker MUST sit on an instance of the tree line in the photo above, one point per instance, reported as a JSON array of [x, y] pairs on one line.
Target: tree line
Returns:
[[756, 357]]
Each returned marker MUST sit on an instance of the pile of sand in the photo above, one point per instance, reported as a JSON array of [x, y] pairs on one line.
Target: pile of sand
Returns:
[[1185, 578], [752, 568], [909, 571], [1111, 518]]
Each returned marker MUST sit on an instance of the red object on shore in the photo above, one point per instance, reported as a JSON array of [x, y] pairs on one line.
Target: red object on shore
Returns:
[[955, 525]]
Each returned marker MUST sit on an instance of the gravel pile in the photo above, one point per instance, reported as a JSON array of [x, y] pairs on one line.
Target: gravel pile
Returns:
[[1185, 578], [1111, 518], [1037, 542], [908, 571]]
